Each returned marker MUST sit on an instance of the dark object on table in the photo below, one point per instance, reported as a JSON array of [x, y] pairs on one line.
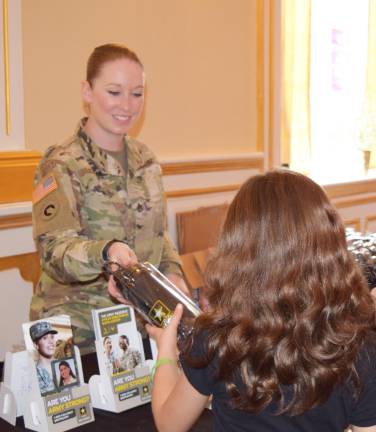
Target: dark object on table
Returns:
[[153, 296], [363, 248]]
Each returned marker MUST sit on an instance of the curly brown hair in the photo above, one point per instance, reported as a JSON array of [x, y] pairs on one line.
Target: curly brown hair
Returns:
[[288, 304]]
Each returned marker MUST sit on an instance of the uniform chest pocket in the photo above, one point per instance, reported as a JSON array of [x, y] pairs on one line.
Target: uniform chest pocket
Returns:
[[147, 204], [147, 185], [105, 206]]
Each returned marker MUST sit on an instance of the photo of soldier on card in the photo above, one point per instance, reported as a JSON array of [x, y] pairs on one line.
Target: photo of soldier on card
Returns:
[[50, 341], [65, 372]]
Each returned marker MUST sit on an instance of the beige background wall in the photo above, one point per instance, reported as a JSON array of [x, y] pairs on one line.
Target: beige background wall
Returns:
[[199, 57]]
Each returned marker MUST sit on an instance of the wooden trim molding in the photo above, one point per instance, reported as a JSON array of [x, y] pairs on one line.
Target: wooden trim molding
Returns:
[[202, 191], [15, 221], [19, 158], [199, 166], [350, 188], [260, 73], [27, 264], [354, 223], [368, 220], [355, 202], [6, 68], [271, 85], [17, 169]]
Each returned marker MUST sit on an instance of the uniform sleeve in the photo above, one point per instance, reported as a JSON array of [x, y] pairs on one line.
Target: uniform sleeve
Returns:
[[170, 261], [66, 253], [201, 379]]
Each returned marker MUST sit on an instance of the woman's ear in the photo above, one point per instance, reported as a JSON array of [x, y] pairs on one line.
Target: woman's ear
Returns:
[[86, 92], [373, 292]]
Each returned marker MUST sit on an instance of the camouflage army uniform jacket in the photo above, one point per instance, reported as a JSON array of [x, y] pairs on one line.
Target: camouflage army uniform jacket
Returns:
[[45, 381], [82, 200]]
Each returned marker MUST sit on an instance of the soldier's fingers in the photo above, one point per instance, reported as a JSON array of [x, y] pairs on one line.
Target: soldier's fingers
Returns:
[[132, 257], [112, 288], [122, 254], [114, 291]]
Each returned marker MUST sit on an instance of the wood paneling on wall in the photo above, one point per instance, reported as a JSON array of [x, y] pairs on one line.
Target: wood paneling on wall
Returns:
[[27, 264], [370, 224], [17, 170], [353, 223], [351, 188], [15, 221], [254, 161]]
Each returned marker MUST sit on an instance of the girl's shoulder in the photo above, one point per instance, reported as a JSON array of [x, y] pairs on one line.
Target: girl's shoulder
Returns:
[[367, 353]]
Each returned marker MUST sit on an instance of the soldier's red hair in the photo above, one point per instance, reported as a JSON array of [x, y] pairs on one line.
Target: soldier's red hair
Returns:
[[107, 53]]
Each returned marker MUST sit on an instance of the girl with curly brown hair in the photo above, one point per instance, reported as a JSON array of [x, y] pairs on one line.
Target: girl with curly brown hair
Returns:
[[287, 343]]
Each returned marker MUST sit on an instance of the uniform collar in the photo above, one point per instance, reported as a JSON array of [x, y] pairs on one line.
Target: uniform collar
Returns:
[[138, 156], [100, 161]]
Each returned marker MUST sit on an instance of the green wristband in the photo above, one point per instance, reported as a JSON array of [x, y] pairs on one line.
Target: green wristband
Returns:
[[160, 362]]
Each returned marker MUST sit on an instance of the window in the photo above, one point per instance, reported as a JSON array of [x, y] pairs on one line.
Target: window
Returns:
[[329, 106]]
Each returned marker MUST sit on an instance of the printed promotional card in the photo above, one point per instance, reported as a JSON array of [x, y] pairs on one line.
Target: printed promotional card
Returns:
[[120, 352], [50, 341], [65, 406]]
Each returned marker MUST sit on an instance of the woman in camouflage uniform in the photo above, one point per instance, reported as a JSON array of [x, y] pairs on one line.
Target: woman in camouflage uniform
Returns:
[[99, 196]]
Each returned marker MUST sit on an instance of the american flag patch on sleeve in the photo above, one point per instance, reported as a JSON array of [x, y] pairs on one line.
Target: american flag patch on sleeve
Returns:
[[44, 187]]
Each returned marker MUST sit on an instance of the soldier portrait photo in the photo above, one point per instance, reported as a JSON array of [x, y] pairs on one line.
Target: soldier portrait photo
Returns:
[[128, 357], [46, 340]]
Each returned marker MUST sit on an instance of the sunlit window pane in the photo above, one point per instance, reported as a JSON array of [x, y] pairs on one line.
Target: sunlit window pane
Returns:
[[339, 38]]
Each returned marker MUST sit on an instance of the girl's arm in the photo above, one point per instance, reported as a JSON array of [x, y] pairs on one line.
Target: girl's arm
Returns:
[[176, 404], [363, 429]]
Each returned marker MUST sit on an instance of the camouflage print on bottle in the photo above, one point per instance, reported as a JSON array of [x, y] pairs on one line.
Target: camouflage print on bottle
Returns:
[[82, 200]]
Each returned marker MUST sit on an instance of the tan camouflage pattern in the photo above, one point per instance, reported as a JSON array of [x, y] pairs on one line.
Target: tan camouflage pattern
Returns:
[[94, 203]]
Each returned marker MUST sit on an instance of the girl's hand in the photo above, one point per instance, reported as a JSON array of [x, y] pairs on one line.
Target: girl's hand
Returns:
[[166, 338]]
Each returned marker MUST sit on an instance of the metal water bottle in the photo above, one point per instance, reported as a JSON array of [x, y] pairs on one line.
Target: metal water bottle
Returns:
[[153, 296]]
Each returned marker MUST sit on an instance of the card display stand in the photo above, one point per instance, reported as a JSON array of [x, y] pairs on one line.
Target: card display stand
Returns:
[[8, 406], [124, 375], [55, 412], [17, 384], [121, 391]]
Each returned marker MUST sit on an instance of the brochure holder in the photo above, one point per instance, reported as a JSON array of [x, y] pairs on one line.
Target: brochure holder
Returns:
[[8, 407], [55, 412], [122, 391], [15, 386], [119, 391]]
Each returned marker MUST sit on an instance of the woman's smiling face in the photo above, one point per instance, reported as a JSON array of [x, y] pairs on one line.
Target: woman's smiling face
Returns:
[[46, 345], [64, 371], [115, 97]]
